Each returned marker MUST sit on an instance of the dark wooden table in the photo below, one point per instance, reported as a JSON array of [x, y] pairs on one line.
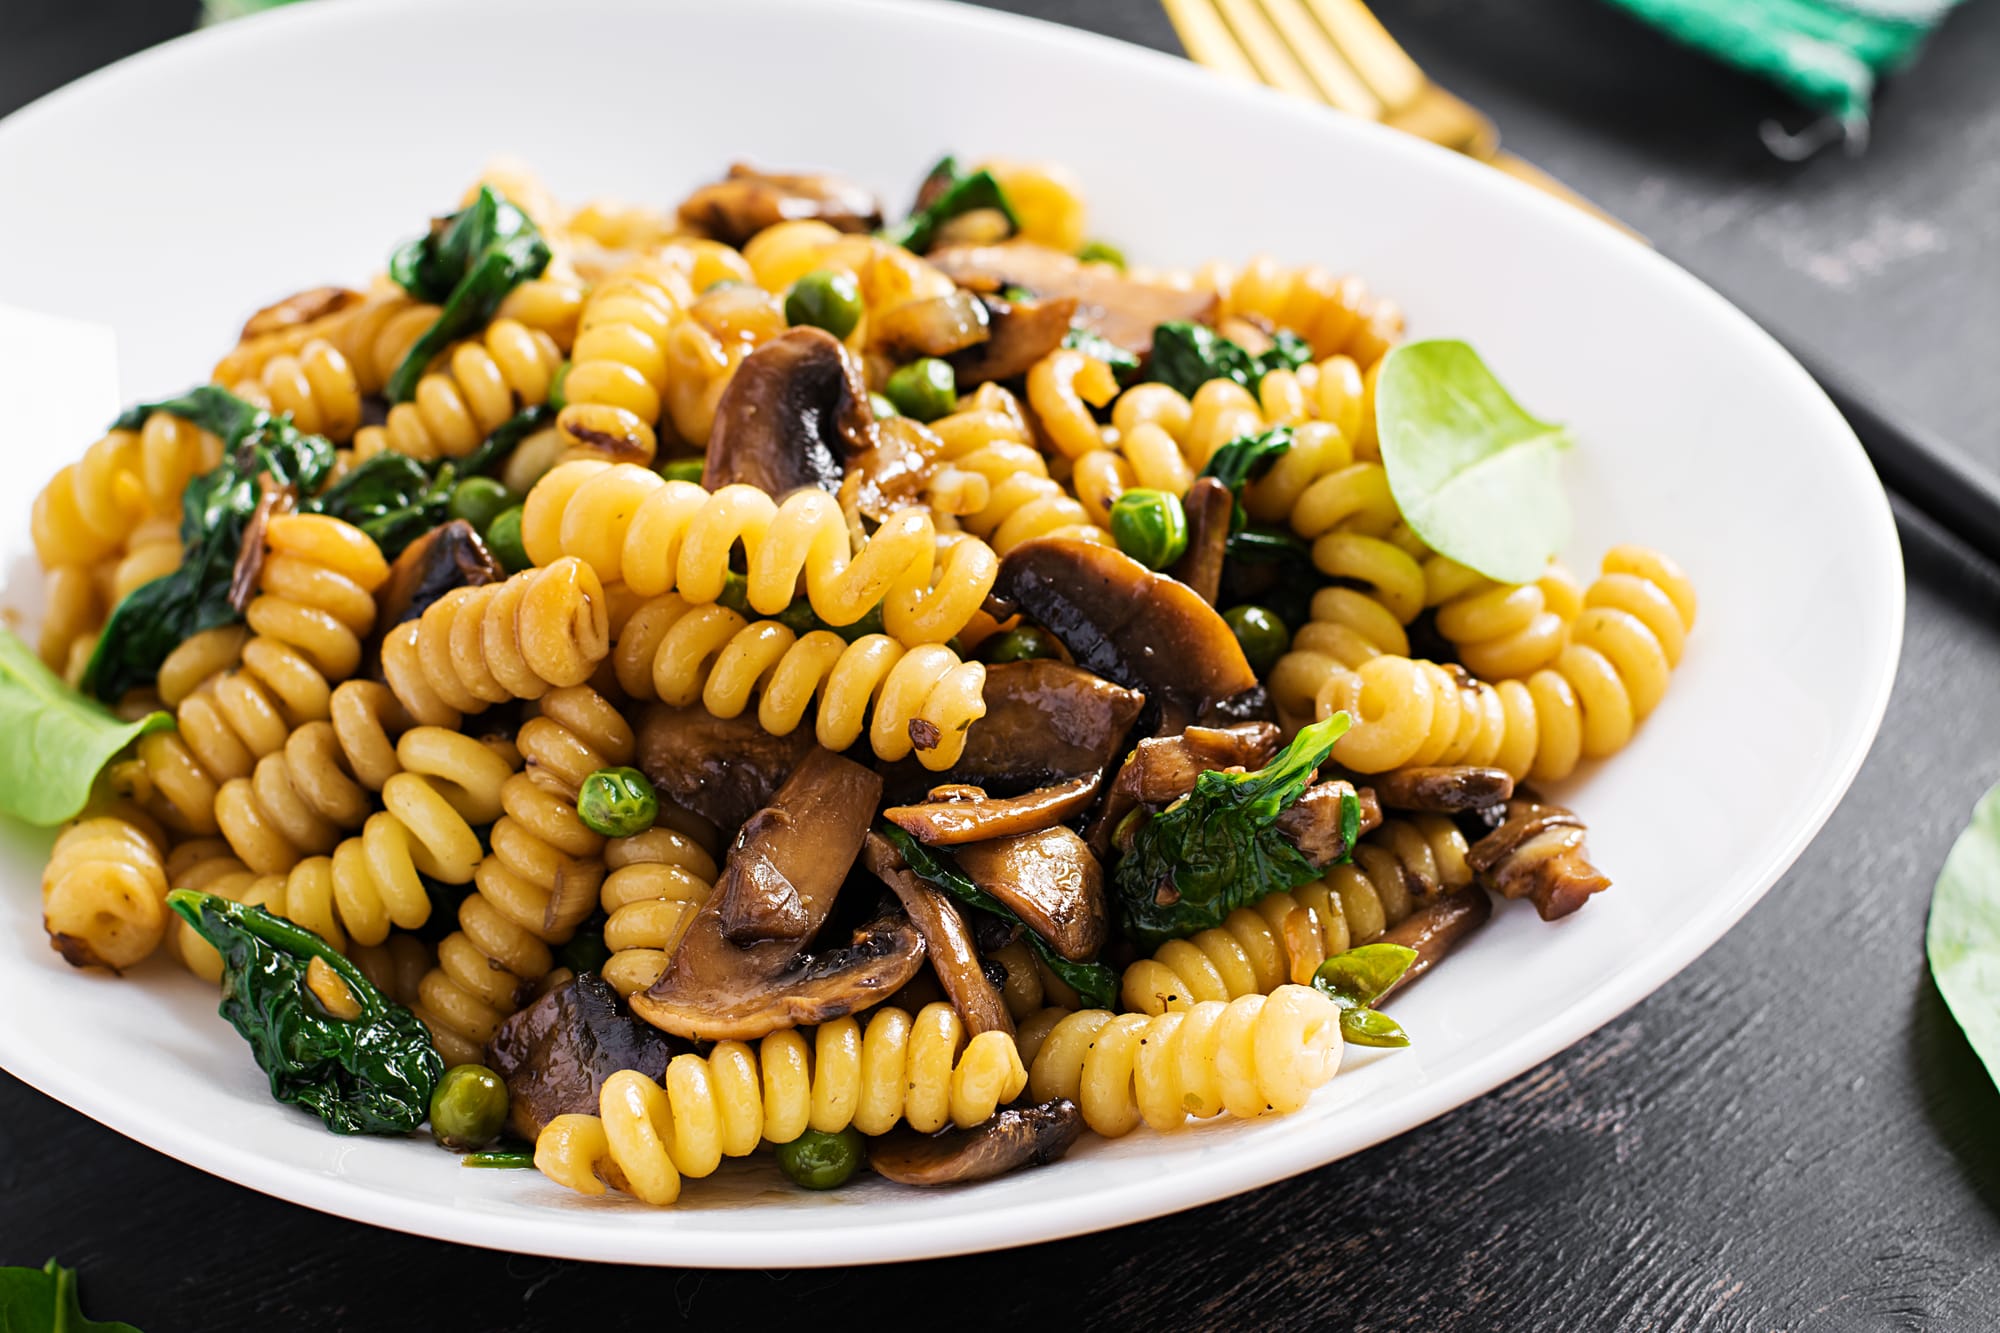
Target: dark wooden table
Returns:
[[1791, 1134]]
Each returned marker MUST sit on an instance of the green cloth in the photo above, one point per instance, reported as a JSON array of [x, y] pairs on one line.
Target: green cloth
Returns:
[[1826, 53]]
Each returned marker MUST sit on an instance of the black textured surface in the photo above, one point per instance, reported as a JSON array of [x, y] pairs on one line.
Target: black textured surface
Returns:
[[1792, 1134]]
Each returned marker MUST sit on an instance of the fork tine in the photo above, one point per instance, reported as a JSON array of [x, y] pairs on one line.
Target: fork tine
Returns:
[[1266, 50], [1340, 82], [1208, 40], [1367, 46]]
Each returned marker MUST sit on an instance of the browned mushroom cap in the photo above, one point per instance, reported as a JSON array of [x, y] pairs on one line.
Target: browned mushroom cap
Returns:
[[556, 1053], [793, 413], [1051, 881], [947, 941], [954, 815], [734, 209], [1144, 630], [742, 970], [932, 326], [1209, 506], [1446, 789], [1315, 823], [1046, 722], [446, 557], [1030, 1136], [1023, 332], [723, 769], [1436, 930], [894, 473], [1121, 309], [1538, 852]]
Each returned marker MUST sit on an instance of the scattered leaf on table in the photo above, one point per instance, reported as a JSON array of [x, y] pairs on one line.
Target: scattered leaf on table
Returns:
[[1963, 938], [44, 1300]]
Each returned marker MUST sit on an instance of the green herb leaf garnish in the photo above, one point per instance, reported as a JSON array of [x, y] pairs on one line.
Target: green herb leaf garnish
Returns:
[[1355, 980], [44, 1300], [467, 262], [53, 740], [952, 192], [1188, 355], [1963, 937], [1474, 474]]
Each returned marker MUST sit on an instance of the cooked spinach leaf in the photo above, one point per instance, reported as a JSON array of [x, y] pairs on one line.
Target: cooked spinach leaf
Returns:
[[1094, 982], [1355, 980], [952, 191], [156, 617], [391, 497], [44, 1300], [467, 263], [1092, 343], [1247, 457], [1474, 474], [53, 740], [372, 1074], [1218, 848], [1188, 355], [498, 447]]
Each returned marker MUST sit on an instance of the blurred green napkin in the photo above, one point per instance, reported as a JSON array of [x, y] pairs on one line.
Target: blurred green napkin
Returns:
[[1826, 53]]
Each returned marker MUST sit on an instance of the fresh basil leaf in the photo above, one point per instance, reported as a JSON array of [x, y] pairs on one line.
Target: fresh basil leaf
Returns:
[[952, 192], [1369, 1027], [44, 1300], [1187, 355], [372, 1074], [53, 741], [468, 262], [1963, 937], [1473, 473], [1094, 982], [157, 617], [1218, 848], [1092, 343]]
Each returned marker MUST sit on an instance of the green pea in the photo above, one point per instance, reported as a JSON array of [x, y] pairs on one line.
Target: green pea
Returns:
[[1150, 526], [882, 407], [1102, 252], [1020, 644], [1015, 295], [480, 500], [559, 388], [683, 469], [468, 1108], [617, 802], [503, 538], [1261, 634], [825, 298], [925, 389], [821, 1161]]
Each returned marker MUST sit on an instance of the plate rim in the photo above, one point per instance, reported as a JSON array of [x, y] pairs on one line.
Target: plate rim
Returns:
[[1028, 1222]]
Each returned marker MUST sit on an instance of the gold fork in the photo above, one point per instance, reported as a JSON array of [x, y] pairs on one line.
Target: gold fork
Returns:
[[1336, 52]]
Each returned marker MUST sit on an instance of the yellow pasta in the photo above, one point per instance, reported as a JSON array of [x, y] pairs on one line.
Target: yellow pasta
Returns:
[[542, 629], [1256, 1055], [921, 699], [988, 437], [901, 1069], [316, 385], [655, 882], [104, 892], [1337, 315], [1282, 938], [481, 383], [657, 536]]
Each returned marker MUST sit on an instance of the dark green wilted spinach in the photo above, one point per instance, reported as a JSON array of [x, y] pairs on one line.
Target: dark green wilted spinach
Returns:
[[156, 617], [391, 497], [1355, 980], [952, 192], [1094, 982], [467, 263], [1218, 848], [1188, 355], [367, 1075], [498, 447], [1092, 343], [1237, 463]]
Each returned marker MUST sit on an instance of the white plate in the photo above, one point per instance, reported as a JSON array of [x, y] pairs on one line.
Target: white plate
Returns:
[[177, 191]]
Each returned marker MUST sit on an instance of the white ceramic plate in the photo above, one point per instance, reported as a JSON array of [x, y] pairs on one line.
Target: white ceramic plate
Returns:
[[170, 195]]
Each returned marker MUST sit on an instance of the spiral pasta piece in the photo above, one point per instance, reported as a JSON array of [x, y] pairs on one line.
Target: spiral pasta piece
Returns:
[[1255, 1055], [988, 437], [1612, 672], [315, 603], [88, 510], [539, 883], [1502, 631], [656, 881], [1283, 937], [316, 385], [618, 368], [481, 383], [104, 891], [709, 340], [1337, 315], [542, 629], [658, 536], [923, 699], [646, 1137]]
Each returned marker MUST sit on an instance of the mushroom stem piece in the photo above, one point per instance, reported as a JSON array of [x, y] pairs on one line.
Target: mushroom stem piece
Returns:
[[1538, 853], [1030, 1136]]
